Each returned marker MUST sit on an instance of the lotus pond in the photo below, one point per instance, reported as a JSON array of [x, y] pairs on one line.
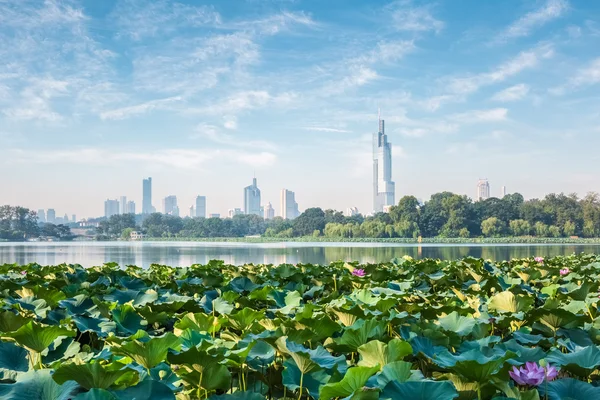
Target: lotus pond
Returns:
[[408, 329]]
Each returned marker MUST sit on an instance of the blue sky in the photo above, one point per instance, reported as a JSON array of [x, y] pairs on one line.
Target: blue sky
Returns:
[[95, 95]]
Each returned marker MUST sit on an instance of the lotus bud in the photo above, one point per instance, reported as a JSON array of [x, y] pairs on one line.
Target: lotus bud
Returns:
[[162, 374]]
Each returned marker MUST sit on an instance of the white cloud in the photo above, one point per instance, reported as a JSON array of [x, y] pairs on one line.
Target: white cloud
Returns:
[[230, 122], [126, 112], [244, 100], [586, 76], [477, 116], [325, 129], [176, 158], [212, 133], [525, 60], [276, 23], [553, 9], [406, 17], [513, 93]]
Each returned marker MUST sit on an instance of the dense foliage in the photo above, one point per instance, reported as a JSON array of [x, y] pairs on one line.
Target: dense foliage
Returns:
[[432, 330], [445, 215], [19, 223]]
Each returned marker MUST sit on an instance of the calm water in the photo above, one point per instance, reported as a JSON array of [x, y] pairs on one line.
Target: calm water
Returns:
[[187, 253]]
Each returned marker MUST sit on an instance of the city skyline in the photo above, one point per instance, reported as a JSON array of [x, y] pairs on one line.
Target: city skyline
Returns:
[[198, 94], [384, 189]]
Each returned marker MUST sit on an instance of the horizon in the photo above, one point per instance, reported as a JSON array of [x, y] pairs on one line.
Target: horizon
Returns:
[[96, 96]]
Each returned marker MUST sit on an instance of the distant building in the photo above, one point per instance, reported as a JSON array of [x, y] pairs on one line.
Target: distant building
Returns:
[[135, 235], [73, 218], [234, 211], [51, 216], [111, 207], [483, 190], [384, 189], [147, 197], [192, 213], [386, 209], [123, 205], [351, 211], [200, 206], [41, 214], [503, 191], [130, 207], [289, 207], [170, 205], [269, 212], [252, 199], [214, 215], [66, 218]]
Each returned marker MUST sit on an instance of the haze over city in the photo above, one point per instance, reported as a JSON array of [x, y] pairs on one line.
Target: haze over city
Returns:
[[95, 96]]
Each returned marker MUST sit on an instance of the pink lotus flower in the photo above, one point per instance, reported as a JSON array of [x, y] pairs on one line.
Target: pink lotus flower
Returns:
[[23, 272], [358, 272], [539, 259], [564, 271], [532, 374]]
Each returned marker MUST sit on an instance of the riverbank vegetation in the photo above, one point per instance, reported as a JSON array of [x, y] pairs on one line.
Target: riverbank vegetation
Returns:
[[427, 329], [445, 216], [19, 223]]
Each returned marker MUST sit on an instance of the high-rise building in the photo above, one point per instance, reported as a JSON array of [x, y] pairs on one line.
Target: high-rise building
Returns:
[[51, 216], [130, 207], [351, 211], [147, 197], [123, 205], [232, 212], [252, 199], [111, 207], [214, 215], [503, 191], [73, 218], [384, 189], [192, 213], [289, 207], [201, 206], [269, 212], [170, 205], [41, 214], [66, 218], [483, 190]]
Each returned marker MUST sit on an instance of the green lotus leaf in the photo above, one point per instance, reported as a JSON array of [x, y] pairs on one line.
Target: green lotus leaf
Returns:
[[199, 368], [376, 353], [93, 375], [358, 334], [13, 360], [260, 355], [353, 381], [238, 396], [78, 305], [396, 371], [242, 284], [10, 322], [96, 394], [37, 337], [38, 306], [421, 390], [292, 300], [507, 302], [148, 389], [199, 322], [127, 319], [570, 389], [455, 322], [294, 379], [37, 385], [151, 352], [244, 320], [133, 297], [477, 365], [61, 349], [100, 326], [581, 363]]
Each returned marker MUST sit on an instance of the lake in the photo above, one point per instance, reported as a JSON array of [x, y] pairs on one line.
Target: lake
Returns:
[[186, 253]]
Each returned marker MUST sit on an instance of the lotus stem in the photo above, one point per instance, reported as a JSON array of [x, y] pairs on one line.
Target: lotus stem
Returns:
[[301, 382]]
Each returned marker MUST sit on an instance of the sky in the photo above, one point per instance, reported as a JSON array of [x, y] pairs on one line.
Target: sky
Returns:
[[202, 96]]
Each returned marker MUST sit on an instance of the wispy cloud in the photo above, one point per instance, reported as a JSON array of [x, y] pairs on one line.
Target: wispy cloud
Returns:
[[176, 158], [513, 93], [407, 17], [244, 100], [585, 76], [138, 109], [325, 129], [553, 9], [477, 116], [214, 134]]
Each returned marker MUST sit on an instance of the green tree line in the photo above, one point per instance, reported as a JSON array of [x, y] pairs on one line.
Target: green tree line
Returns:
[[445, 215], [20, 223]]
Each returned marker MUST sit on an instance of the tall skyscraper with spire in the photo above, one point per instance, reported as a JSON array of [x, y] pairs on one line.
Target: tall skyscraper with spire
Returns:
[[252, 199], [147, 197], [384, 189]]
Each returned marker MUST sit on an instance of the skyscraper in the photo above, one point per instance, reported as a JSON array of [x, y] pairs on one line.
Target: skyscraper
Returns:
[[123, 205], [73, 218], [111, 207], [232, 212], [483, 190], [201, 206], [130, 207], [147, 197], [51, 216], [252, 199], [503, 191], [384, 189], [66, 218], [41, 214], [269, 211], [170, 205], [289, 207], [351, 211], [192, 212]]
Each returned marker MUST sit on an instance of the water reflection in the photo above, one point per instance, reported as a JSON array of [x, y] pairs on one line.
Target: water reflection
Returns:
[[183, 254]]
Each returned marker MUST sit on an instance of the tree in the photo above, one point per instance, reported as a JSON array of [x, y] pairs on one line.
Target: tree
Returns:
[[569, 228], [126, 234], [18, 223], [519, 227], [541, 229], [492, 227], [309, 221]]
